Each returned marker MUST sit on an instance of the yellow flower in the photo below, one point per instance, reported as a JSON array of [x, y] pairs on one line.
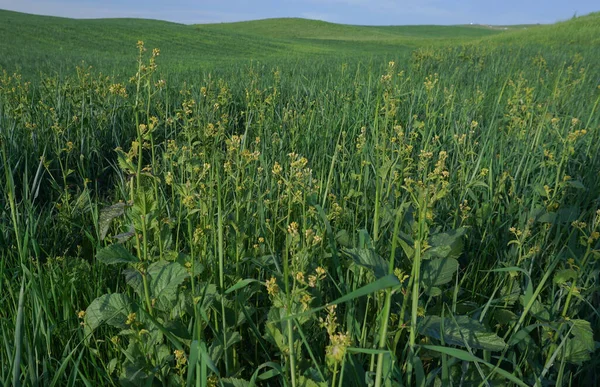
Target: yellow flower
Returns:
[[131, 318], [272, 287]]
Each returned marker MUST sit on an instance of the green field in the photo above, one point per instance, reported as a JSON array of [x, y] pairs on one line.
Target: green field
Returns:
[[289, 202]]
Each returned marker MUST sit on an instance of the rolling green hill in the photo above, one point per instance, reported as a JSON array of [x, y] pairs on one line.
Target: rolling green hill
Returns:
[[32, 42]]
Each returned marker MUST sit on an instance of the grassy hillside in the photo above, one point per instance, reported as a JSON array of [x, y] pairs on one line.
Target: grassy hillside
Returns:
[[326, 217], [576, 33], [33, 43], [300, 29]]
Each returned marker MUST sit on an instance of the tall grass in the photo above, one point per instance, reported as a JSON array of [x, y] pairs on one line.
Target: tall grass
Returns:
[[426, 221]]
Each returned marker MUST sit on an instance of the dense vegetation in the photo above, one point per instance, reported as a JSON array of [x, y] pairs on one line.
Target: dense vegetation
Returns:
[[326, 218]]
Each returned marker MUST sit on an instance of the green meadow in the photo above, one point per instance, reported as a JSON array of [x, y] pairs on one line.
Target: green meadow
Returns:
[[289, 202]]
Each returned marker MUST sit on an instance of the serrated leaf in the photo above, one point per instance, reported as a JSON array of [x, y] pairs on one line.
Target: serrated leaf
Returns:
[[343, 238], [274, 335], [438, 271], [124, 236], [369, 259], [468, 330], [579, 348], [114, 254], [564, 275], [125, 164], [165, 278], [107, 215], [433, 291], [448, 244], [133, 278], [111, 309], [504, 316]]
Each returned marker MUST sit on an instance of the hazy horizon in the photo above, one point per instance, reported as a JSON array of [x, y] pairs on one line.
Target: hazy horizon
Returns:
[[358, 12]]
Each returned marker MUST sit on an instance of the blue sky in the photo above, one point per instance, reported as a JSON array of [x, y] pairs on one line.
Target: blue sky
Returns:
[[369, 12]]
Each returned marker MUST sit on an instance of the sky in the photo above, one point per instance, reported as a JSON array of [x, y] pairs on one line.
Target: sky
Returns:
[[365, 12]]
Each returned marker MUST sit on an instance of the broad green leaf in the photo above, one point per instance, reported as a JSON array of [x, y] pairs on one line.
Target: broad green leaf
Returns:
[[564, 275], [216, 349], [466, 356], [433, 291], [165, 278], [568, 214], [369, 259], [125, 164], [107, 214], [274, 335], [468, 329], [112, 309], [135, 376], [343, 238], [133, 278], [575, 184], [579, 348], [114, 254], [505, 291], [504, 316], [446, 245], [438, 271], [303, 381], [234, 382], [548, 217]]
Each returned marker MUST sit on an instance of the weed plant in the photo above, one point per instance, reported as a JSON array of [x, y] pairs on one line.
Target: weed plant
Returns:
[[434, 221]]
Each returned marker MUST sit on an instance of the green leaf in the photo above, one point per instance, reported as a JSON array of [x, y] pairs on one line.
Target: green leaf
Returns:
[[114, 254], [528, 290], [165, 278], [234, 382], [126, 165], [504, 316], [446, 245], [579, 347], [438, 271], [107, 215], [303, 381], [343, 238], [274, 335], [241, 284], [523, 334], [216, 349], [548, 217], [575, 184], [388, 281], [466, 356], [564, 275], [133, 278], [274, 371], [112, 309], [468, 330], [369, 259]]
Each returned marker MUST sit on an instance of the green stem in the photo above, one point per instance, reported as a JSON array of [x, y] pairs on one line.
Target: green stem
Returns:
[[387, 305]]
